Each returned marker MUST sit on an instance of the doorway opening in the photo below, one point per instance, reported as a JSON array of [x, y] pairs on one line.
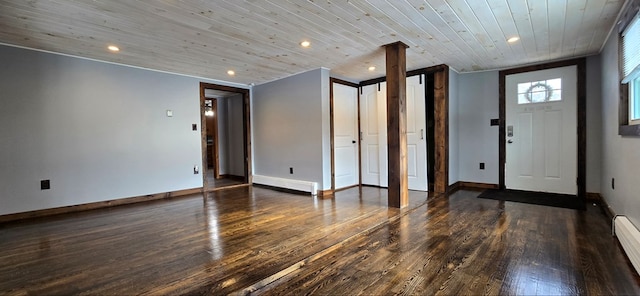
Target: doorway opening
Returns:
[[431, 117], [226, 158]]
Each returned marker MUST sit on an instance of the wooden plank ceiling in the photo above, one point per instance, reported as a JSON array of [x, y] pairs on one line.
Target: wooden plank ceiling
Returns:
[[259, 39]]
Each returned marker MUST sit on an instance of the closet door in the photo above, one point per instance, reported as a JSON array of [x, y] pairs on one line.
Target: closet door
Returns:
[[369, 135], [373, 125], [345, 134], [383, 154], [416, 133]]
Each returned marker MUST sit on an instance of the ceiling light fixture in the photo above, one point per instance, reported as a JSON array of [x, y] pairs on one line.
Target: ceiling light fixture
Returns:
[[231, 72], [372, 68], [305, 43], [513, 39], [113, 48]]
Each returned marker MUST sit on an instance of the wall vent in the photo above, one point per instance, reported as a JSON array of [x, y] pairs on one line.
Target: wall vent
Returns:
[[629, 238], [299, 185]]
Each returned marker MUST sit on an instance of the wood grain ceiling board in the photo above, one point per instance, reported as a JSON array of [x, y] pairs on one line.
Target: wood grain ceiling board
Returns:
[[259, 39]]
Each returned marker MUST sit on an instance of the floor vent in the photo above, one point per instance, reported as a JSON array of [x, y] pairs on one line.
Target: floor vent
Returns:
[[629, 238]]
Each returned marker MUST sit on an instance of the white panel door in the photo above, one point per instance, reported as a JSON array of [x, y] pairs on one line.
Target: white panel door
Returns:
[[369, 135], [345, 135], [541, 130], [383, 153], [373, 124], [416, 137]]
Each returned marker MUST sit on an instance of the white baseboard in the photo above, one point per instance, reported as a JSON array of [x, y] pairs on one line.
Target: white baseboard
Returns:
[[305, 186], [629, 237]]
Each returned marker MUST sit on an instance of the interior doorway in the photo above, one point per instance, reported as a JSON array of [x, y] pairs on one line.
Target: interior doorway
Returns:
[[345, 155], [225, 136], [431, 119]]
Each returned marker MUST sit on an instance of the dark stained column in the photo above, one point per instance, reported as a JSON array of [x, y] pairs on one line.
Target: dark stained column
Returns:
[[397, 124], [441, 109]]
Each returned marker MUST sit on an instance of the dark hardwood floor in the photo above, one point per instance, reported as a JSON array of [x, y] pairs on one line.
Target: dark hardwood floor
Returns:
[[214, 183], [258, 240]]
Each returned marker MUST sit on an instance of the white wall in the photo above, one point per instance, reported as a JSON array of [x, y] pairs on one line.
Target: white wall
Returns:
[[325, 95], [453, 128], [291, 128], [620, 155], [478, 141], [235, 135], [99, 131], [223, 137], [478, 104]]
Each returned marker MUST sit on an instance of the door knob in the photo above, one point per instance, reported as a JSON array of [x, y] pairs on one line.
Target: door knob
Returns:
[[510, 141]]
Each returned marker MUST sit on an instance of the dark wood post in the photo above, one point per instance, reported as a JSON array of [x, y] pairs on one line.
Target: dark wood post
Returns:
[[397, 124], [441, 106]]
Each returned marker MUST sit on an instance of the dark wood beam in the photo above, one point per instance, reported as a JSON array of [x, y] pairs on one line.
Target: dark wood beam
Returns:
[[441, 113], [397, 124]]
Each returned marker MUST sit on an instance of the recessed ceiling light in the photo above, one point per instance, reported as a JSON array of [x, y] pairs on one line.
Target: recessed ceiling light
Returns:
[[513, 39], [231, 72], [372, 68], [305, 43], [113, 48]]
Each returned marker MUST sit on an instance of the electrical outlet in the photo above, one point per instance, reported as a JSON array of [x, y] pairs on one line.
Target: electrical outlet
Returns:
[[195, 170], [482, 165], [291, 171], [45, 184]]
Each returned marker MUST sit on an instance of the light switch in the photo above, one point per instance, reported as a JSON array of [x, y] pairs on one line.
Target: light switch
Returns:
[[169, 113]]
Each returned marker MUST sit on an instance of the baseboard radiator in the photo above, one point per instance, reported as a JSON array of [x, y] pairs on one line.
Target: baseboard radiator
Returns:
[[629, 238], [298, 185]]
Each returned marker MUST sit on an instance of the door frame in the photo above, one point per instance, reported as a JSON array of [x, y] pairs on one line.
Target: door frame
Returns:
[[333, 80], [246, 126], [580, 64]]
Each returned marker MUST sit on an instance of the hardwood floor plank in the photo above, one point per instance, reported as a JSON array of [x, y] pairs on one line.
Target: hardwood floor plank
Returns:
[[511, 249], [260, 241]]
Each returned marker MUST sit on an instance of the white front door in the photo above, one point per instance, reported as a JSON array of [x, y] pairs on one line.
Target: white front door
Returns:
[[345, 135], [541, 130], [416, 137]]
